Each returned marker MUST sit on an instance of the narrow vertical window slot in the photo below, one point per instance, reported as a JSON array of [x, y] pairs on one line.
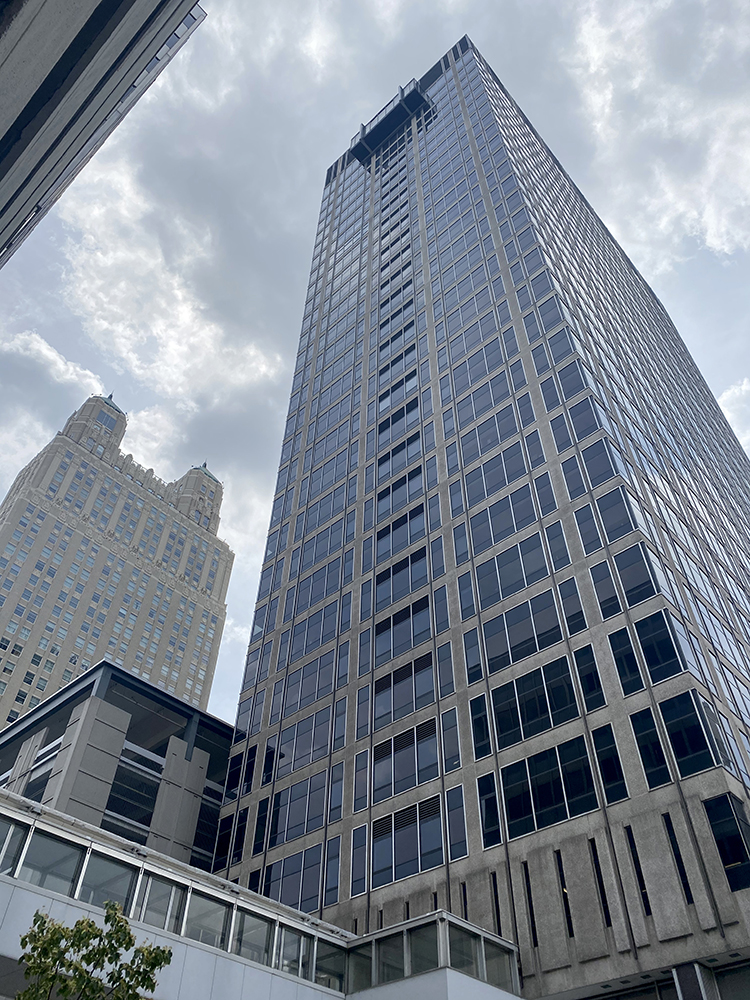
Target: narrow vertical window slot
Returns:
[[530, 904], [638, 871], [496, 904], [678, 860], [564, 891], [600, 883]]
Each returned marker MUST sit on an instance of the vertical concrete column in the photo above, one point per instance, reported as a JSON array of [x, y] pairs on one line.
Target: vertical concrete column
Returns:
[[178, 800], [19, 775], [85, 767]]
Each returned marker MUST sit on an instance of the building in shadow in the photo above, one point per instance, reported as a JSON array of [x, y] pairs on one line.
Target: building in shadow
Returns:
[[118, 753]]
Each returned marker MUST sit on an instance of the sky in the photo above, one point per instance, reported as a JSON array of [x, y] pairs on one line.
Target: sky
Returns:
[[173, 271]]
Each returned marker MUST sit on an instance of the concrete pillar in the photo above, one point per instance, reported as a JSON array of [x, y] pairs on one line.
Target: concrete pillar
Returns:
[[85, 767], [21, 770], [178, 800]]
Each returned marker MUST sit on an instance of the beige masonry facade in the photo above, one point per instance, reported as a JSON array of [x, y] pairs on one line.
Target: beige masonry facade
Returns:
[[99, 558]]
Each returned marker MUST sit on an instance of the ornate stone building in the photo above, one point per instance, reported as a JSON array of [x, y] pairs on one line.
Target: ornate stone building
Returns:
[[100, 559]]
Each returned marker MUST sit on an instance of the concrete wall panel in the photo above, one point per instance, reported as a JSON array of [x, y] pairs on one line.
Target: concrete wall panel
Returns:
[[660, 874], [630, 886], [256, 984], [703, 908], [197, 974], [548, 910], [525, 944], [588, 922]]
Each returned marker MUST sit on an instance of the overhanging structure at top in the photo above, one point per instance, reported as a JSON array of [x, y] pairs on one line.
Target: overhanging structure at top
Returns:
[[408, 100]]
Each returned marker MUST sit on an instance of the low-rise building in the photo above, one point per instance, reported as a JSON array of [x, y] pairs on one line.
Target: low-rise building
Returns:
[[227, 941], [118, 753]]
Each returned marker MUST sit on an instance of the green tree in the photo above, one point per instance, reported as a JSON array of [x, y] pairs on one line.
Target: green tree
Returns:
[[85, 961]]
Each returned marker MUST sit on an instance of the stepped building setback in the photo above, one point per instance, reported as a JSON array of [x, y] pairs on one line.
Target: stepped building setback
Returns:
[[500, 659], [101, 560]]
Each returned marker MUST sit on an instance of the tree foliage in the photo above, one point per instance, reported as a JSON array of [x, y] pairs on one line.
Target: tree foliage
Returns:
[[86, 961]]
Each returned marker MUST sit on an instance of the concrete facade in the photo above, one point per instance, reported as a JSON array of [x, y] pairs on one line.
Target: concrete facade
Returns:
[[69, 73], [81, 777], [100, 559], [500, 660], [114, 752]]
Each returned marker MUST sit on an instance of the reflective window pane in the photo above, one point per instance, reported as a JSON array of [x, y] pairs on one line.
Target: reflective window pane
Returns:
[[51, 863], [423, 948], [360, 968], [207, 921], [497, 961], [330, 966], [464, 949], [106, 879], [253, 937], [12, 838], [295, 953], [390, 958], [161, 903]]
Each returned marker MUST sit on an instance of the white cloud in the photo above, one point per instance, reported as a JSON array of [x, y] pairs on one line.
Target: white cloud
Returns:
[[672, 132], [153, 435], [212, 69], [231, 660], [137, 306], [735, 402], [23, 436], [245, 513], [319, 37], [35, 348], [387, 14]]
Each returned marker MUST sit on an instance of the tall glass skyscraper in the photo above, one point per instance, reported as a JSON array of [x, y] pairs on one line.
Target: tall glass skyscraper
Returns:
[[500, 660]]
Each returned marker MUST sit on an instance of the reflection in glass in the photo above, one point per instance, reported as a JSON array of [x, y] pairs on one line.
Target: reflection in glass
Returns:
[[423, 946], [497, 965], [360, 968], [295, 953], [107, 879], [253, 937], [391, 958], [161, 903], [330, 966], [464, 950], [207, 921], [12, 837], [52, 864]]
